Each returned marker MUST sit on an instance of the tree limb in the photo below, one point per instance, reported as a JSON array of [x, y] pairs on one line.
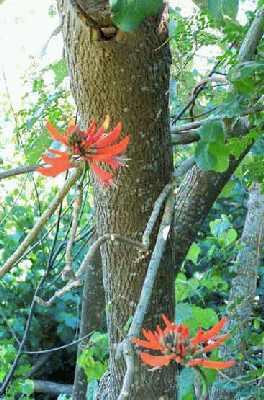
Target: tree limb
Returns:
[[52, 388], [18, 171], [145, 296], [186, 137]]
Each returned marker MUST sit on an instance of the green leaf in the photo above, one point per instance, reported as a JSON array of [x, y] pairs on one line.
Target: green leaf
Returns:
[[228, 190], [128, 14], [185, 288], [219, 9], [195, 317], [193, 253], [183, 312], [220, 152], [60, 71], [212, 131], [204, 159], [27, 387], [211, 153], [215, 8], [212, 156], [219, 226], [36, 147], [230, 8], [228, 237]]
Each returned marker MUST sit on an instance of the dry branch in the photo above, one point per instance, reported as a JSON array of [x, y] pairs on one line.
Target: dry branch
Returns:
[[31, 236]]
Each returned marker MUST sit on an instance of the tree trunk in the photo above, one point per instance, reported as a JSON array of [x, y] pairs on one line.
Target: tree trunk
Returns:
[[127, 77], [243, 291], [93, 309]]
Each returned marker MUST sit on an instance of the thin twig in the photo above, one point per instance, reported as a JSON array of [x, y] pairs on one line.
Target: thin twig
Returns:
[[54, 349], [197, 124], [197, 92], [67, 272], [59, 293], [40, 224]]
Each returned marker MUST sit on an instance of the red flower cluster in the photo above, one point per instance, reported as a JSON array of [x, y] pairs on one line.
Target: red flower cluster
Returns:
[[93, 145], [174, 343]]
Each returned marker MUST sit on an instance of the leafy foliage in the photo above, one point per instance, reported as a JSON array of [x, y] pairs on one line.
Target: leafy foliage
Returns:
[[94, 359], [20, 386], [128, 14]]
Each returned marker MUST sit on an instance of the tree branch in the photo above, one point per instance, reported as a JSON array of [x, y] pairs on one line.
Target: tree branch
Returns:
[[186, 137], [18, 171], [52, 388], [145, 296], [40, 224]]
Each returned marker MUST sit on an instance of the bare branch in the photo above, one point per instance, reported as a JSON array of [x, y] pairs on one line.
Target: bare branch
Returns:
[[18, 171], [59, 293], [193, 126], [145, 295], [101, 240], [51, 388], [187, 127], [40, 224], [186, 137], [184, 167], [65, 346], [67, 271], [155, 214]]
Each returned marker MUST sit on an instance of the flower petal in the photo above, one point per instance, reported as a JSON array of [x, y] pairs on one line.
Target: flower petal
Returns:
[[167, 322], [153, 345], [116, 149], [216, 343], [203, 337], [211, 364], [110, 138], [104, 177], [55, 134], [57, 164], [156, 361]]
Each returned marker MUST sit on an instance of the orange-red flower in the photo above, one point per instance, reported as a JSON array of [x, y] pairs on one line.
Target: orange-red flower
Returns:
[[93, 145], [173, 343]]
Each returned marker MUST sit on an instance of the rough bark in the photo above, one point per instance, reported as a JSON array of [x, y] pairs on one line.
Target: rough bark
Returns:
[[127, 77], [93, 309], [243, 290], [197, 193]]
